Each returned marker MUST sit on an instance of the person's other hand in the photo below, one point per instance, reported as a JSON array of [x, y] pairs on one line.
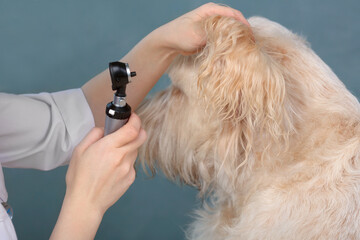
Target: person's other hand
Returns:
[[102, 169], [185, 34]]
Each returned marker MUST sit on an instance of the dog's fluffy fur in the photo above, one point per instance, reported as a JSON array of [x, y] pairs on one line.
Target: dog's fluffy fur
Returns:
[[265, 130]]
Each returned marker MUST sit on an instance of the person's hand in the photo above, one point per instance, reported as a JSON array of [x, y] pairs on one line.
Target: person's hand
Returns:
[[100, 171], [185, 34]]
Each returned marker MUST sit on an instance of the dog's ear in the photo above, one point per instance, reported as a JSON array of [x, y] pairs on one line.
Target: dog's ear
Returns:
[[241, 82]]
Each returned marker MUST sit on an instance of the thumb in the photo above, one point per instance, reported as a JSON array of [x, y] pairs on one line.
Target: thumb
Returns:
[[92, 137]]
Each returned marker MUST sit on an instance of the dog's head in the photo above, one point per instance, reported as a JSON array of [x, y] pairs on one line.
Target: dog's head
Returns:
[[229, 106]]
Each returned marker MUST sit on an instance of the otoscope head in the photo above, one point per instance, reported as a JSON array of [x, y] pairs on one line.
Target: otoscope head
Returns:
[[120, 76]]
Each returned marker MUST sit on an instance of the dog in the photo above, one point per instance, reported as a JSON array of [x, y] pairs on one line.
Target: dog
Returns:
[[265, 130]]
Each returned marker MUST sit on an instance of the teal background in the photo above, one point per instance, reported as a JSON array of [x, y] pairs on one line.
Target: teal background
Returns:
[[55, 45]]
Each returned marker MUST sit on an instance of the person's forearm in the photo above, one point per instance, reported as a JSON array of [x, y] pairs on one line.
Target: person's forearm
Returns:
[[149, 58], [76, 221]]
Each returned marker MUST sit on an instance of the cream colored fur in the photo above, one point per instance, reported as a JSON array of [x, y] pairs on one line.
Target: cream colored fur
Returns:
[[265, 130]]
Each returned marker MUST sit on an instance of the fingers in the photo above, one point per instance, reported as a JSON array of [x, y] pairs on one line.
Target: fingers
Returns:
[[93, 136], [137, 142], [132, 147], [210, 9], [126, 134], [127, 157]]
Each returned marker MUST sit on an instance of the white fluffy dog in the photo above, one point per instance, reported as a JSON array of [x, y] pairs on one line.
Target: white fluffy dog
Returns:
[[265, 130]]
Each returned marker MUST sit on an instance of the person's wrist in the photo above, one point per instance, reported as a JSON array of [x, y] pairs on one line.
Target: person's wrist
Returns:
[[162, 42], [82, 207], [77, 220]]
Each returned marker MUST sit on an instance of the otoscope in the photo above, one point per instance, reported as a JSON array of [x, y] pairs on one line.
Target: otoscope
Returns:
[[118, 111]]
